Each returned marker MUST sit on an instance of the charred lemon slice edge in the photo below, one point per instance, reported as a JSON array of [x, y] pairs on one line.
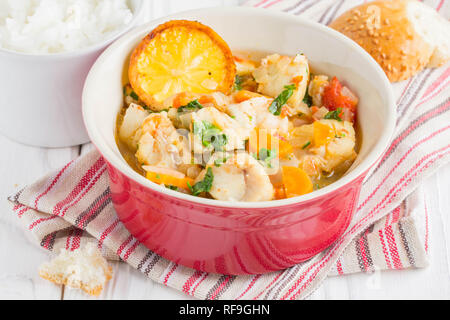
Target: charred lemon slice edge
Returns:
[[180, 56]]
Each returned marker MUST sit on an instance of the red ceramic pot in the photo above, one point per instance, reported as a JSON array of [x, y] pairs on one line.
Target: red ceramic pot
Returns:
[[231, 240], [239, 237]]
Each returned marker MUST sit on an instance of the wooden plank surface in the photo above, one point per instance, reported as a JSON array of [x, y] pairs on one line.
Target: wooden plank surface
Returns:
[[20, 258]]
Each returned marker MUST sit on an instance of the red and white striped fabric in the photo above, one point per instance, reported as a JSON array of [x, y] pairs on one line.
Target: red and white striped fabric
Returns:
[[389, 231]]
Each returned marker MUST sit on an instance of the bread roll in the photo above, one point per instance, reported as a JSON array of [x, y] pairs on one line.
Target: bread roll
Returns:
[[403, 36]]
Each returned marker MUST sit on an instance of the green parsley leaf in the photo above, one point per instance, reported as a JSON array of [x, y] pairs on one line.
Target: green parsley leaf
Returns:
[[334, 114], [134, 95], [190, 107], [147, 108], [210, 135], [339, 136], [218, 141], [280, 101], [204, 185], [266, 155], [238, 82], [306, 145], [172, 187], [307, 99], [220, 162]]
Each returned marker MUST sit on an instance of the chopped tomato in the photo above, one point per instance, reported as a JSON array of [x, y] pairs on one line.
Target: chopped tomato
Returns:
[[334, 97]]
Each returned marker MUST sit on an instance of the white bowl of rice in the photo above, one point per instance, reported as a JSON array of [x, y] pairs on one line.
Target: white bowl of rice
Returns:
[[47, 47]]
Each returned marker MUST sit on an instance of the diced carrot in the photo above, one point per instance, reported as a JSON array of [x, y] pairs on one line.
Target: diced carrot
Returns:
[[243, 95], [262, 139], [322, 134], [296, 80], [169, 180], [177, 101], [285, 148], [206, 99], [182, 99], [279, 191], [296, 181]]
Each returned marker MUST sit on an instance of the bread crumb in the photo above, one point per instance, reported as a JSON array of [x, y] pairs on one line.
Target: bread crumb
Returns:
[[83, 269]]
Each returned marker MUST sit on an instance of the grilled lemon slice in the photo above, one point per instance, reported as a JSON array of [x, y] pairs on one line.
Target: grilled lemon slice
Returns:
[[180, 56]]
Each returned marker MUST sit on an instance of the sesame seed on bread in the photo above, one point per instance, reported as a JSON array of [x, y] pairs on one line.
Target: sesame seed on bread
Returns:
[[403, 36]]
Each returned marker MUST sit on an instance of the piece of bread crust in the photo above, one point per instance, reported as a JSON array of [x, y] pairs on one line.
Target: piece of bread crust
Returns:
[[398, 34], [83, 269]]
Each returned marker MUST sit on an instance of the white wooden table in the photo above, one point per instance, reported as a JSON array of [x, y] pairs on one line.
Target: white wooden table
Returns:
[[19, 258]]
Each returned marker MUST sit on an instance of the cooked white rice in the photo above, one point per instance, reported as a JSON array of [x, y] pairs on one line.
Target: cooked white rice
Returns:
[[51, 26]]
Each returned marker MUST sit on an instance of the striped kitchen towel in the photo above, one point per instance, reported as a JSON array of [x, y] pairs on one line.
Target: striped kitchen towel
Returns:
[[389, 231]]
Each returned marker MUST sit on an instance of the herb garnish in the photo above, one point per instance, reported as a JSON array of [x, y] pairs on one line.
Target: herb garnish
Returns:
[[210, 135], [191, 106], [220, 162], [238, 82], [267, 156], [204, 185], [334, 114], [134, 95], [218, 141], [147, 108], [171, 187], [306, 145], [307, 99], [280, 101]]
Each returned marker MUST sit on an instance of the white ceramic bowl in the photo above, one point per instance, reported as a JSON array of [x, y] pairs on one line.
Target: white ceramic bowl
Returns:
[[41, 93]]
